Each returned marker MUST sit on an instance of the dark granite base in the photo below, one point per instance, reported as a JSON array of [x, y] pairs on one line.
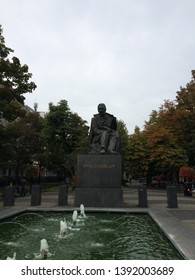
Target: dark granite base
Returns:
[[99, 181], [9, 196], [142, 195], [98, 197], [63, 195], [36, 195], [99, 171], [172, 197]]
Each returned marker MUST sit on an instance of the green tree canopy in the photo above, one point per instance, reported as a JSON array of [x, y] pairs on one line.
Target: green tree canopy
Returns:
[[124, 141], [65, 134], [185, 104], [23, 143], [14, 83], [138, 152]]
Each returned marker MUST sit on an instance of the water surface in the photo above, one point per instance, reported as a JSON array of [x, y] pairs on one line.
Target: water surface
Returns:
[[100, 236]]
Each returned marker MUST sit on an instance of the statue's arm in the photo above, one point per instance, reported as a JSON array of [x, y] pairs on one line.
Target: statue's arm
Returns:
[[114, 123], [95, 127]]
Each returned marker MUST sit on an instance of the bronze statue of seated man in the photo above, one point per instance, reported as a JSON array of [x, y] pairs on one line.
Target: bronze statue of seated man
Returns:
[[103, 136]]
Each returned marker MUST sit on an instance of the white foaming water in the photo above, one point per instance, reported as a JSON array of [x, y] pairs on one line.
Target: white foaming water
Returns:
[[14, 244], [74, 217], [63, 228], [96, 244], [106, 230], [82, 211], [44, 245], [44, 250], [13, 258]]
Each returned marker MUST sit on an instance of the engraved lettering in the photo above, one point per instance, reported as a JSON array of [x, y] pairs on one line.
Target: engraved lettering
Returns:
[[98, 165]]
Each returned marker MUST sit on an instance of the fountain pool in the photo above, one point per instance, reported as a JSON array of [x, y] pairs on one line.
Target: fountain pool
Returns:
[[95, 236]]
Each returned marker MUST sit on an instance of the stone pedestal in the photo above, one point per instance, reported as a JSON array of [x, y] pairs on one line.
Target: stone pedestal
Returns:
[[99, 181], [142, 195], [63, 195], [97, 197], [36, 195], [172, 197], [9, 196]]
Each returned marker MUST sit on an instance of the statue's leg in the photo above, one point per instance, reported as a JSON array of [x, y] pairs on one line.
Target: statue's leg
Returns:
[[104, 142], [113, 142]]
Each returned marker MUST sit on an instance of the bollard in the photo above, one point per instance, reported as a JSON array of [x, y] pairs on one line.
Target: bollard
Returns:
[[142, 194], [36, 195], [63, 195], [172, 197], [9, 196]]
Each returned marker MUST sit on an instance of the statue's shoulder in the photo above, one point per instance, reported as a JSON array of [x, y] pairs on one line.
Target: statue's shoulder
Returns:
[[110, 115], [107, 114]]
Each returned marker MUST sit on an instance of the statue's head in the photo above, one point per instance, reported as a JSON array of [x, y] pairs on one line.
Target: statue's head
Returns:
[[102, 108]]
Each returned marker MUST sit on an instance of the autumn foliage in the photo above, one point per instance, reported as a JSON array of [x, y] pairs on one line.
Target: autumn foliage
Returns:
[[186, 172]]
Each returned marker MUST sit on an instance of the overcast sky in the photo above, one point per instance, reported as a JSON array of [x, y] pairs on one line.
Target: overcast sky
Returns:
[[129, 54]]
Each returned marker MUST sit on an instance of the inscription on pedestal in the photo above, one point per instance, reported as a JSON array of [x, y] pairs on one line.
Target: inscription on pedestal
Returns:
[[99, 171]]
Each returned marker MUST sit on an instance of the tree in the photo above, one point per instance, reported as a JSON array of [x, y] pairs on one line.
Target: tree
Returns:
[[138, 152], [65, 135], [124, 140], [14, 83], [164, 140], [185, 104], [165, 155], [24, 144]]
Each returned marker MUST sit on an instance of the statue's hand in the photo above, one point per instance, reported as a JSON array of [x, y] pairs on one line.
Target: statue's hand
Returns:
[[107, 128]]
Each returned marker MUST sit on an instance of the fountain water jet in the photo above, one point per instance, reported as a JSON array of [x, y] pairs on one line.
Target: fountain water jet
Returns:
[[63, 228], [15, 224], [27, 213], [14, 257], [82, 211], [44, 250], [74, 217]]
